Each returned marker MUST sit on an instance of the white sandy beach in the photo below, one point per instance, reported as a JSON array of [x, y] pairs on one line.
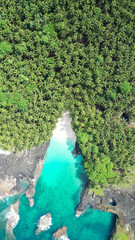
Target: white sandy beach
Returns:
[[4, 152], [62, 132], [63, 129]]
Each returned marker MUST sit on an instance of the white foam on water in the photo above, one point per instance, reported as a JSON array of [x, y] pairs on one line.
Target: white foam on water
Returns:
[[64, 237], [13, 217]]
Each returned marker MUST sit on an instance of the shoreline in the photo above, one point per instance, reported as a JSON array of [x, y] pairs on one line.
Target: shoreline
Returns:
[[34, 159], [63, 130], [20, 168], [27, 165], [5, 152], [124, 207], [123, 198]]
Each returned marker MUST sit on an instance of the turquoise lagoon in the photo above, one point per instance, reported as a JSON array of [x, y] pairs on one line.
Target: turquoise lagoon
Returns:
[[58, 192]]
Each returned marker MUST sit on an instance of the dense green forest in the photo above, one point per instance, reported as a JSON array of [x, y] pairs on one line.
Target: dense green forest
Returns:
[[76, 54]]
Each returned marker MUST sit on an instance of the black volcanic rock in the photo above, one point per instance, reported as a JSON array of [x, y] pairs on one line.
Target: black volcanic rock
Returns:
[[124, 206], [88, 199], [77, 150], [17, 166]]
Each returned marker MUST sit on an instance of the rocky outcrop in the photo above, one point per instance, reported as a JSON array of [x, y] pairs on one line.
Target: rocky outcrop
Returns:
[[6, 185], [77, 150], [17, 168], [118, 201], [31, 202], [79, 213], [88, 199], [18, 172], [13, 218], [60, 232], [124, 204], [44, 223], [31, 189]]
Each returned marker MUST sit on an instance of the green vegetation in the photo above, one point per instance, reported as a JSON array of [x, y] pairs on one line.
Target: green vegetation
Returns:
[[125, 87], [97, 191], [56, 55], [128, 181], [123, 234], [5, 48]]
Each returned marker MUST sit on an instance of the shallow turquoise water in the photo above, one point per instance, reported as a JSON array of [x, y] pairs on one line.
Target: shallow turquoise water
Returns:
[[58, 192]]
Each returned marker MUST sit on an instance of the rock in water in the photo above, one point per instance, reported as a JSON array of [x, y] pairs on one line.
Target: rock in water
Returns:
[[44, 223], [78, 213], [31, 202], [64, 237], [60, 233], [13, 218]]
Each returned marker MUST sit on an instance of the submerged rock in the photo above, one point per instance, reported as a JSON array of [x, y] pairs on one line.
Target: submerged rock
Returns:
[[44, 223], [13, 218], [61, 232]]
